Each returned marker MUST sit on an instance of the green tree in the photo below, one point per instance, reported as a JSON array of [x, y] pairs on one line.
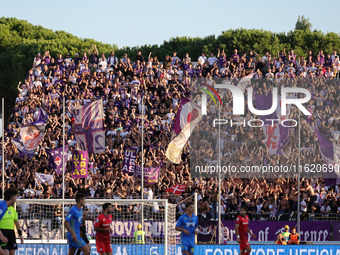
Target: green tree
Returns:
[[303, 24]]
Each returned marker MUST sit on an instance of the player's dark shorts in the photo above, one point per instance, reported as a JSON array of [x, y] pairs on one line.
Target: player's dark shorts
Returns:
[[12, 243]]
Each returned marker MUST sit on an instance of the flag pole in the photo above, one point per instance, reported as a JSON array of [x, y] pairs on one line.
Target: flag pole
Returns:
[[142, 161], [3, 147], [219, 178], [298, 178], [63, 161]]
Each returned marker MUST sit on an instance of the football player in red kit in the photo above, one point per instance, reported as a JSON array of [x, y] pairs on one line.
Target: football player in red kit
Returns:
[[242, 230], [103, 228]]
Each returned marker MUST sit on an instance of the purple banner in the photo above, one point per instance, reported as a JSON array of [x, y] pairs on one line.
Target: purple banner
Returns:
[[89, 125], [80, 163], [129, 161], [125, 228], [151, 175], [336, 231], [207, 231], [266, 230], [56, 159]]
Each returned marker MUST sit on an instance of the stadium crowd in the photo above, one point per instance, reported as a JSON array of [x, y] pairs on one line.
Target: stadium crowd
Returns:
[[121, 83]]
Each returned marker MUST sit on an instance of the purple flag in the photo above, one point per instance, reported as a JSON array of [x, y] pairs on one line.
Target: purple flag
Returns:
[[151, 175], [56, 159], [129, 161], [42, 115], [89, 125], [277, 136], [80, 163], [330, 153]]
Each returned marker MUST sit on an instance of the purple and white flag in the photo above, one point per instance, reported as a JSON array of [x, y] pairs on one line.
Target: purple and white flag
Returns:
[[151, 175], [56, 159], [243, 83], [41, 115], [89, 125], [42, 178], [276, 135], [80, 164], [129, 161]]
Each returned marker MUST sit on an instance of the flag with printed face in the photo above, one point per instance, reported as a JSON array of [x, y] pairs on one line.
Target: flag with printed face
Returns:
[[56, 159], [30, 137], [176, 189], [89, 125]]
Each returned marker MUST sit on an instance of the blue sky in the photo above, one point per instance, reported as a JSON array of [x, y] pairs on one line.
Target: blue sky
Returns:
[[133, 23]]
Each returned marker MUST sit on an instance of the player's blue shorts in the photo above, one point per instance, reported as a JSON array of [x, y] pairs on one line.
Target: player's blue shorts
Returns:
[[188, 245], [75, 245]]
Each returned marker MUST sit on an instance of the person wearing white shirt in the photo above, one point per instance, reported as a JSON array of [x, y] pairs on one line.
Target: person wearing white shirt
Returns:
[[148, 193], [212, 59], [124, 133], [103, 62], [279, 75], [202, 59], [337, 66], [170, 114], [329, 73], [303, 205], [325, 209], [334, 56], [37, 83], [111, 132]]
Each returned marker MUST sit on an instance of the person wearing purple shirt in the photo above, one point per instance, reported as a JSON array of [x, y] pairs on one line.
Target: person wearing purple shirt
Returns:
[[47, 57], [322, 57], [222, 58], [235, 56], [60, 59]]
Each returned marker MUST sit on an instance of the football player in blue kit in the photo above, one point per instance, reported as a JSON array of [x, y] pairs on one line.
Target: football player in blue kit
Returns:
[[72, 224], [188, 225]]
